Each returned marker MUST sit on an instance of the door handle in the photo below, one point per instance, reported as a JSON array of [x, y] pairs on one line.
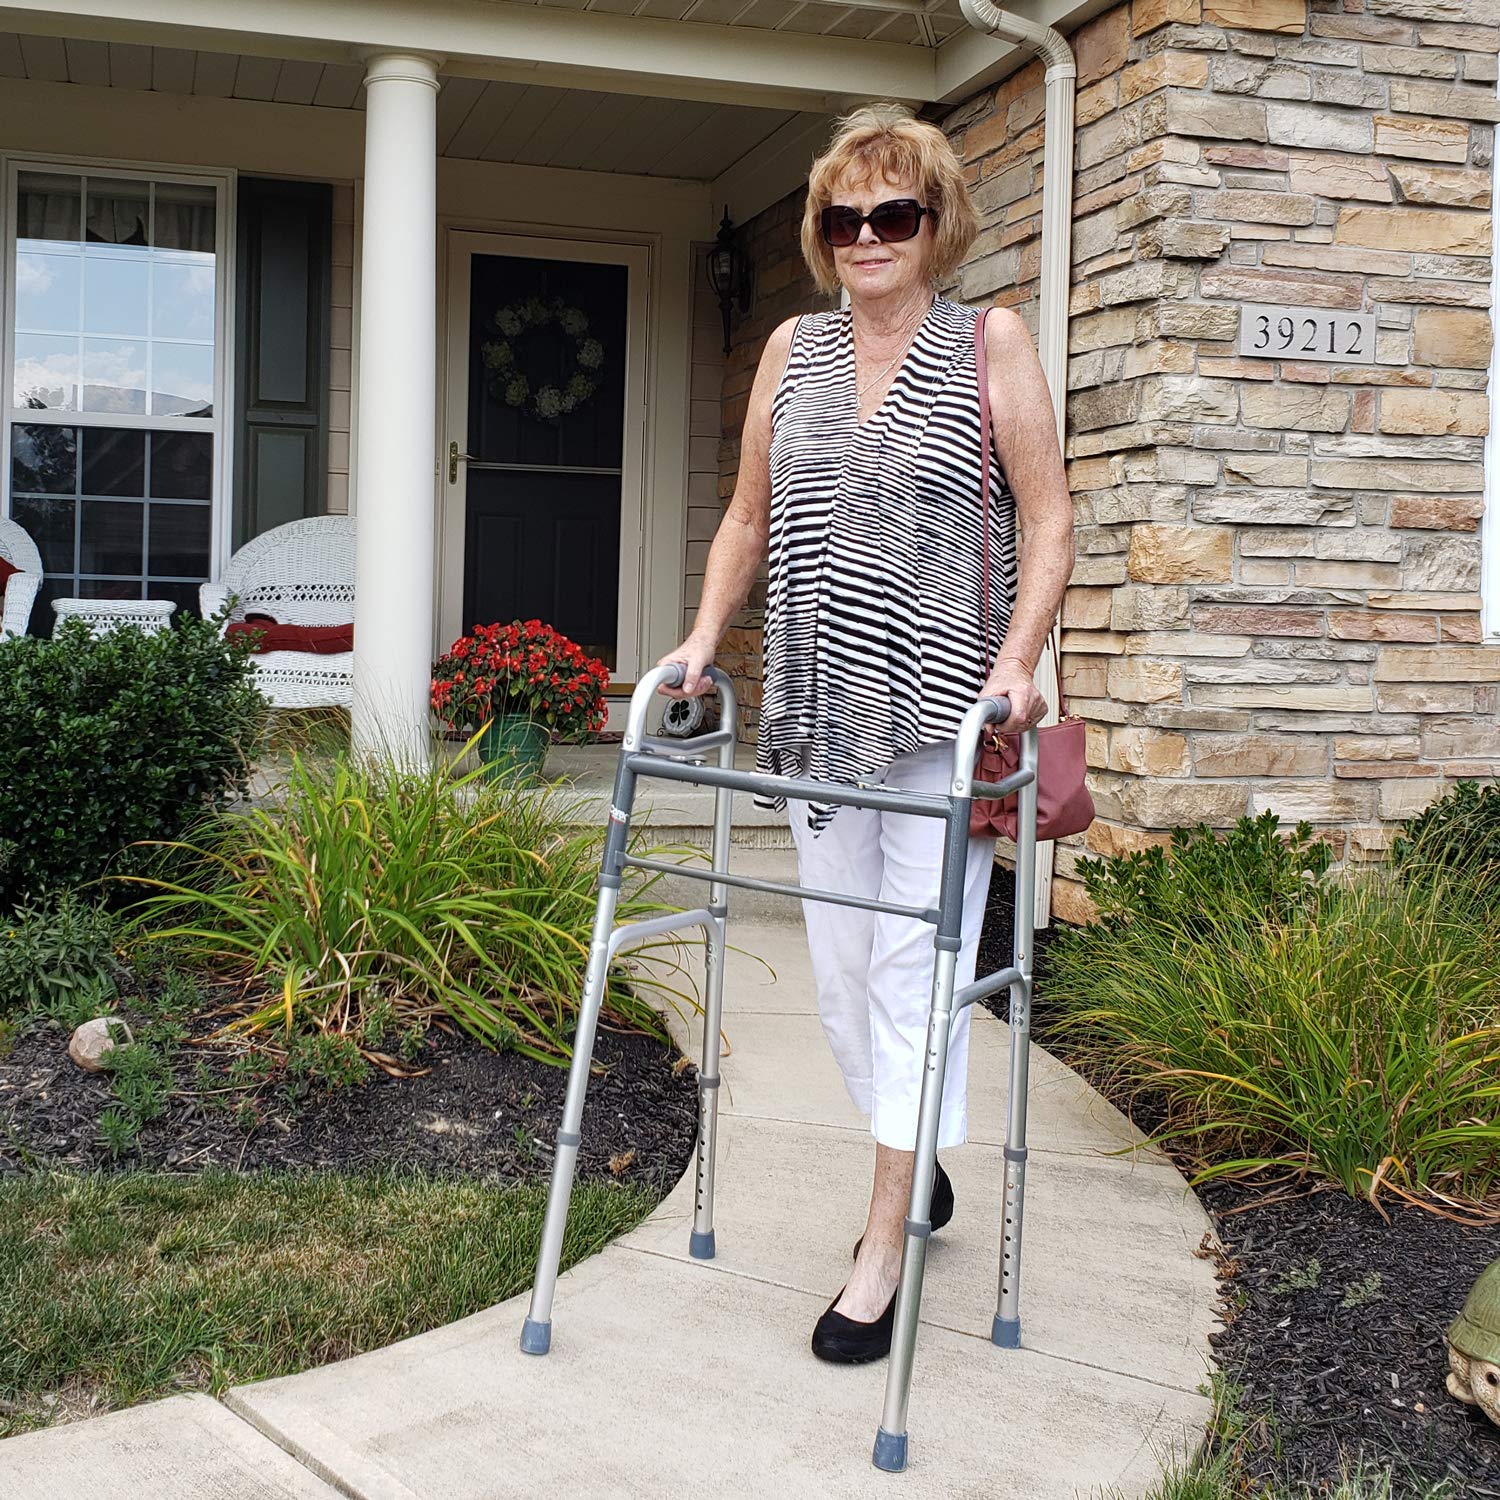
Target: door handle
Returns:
[[453, 457]]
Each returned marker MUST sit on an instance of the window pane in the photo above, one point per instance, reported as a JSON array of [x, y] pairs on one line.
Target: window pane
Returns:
[[43, 459], [110, 539], [47, 206], [183, 595], [114, 461], [182, 381], [184, 304], [179, 540], [49, 523], [114, 376], [109, 588], [114, 295], [184, 217], [47, 293], [118, 212], [42, 617], [46, 373], [181, 466]]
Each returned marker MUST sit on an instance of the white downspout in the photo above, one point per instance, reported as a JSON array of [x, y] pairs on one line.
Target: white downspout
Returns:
[[1052, 47]]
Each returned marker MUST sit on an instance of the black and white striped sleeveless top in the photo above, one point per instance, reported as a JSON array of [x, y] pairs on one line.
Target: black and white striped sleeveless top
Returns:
[[874, 641]]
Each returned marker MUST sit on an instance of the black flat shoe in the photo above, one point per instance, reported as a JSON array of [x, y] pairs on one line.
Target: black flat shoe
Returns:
[[942, 1205], [842, 1341]]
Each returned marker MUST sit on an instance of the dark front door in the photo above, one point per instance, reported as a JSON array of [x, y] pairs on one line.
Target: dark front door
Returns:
[[546, 442]]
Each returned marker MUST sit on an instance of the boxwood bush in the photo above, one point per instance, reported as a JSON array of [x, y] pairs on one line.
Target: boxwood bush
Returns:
[[106, 740], [1457, 834]]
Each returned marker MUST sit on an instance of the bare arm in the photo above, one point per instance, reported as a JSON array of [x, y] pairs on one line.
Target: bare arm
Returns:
[[740, 543], [1025, 429]]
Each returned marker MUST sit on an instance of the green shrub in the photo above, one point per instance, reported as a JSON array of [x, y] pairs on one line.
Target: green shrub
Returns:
[[1354, 1034], [370, 897], [1457, 833], [57, 957], [106, 740], [1252, 865]]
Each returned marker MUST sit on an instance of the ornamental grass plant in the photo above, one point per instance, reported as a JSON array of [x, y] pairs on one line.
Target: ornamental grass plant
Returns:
[[410, 893], [1344, 1028]]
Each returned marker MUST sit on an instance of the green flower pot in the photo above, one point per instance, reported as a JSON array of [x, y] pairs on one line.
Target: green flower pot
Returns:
[[513, 745]]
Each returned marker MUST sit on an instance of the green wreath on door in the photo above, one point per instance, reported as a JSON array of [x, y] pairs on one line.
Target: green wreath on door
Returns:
[[508, 382]]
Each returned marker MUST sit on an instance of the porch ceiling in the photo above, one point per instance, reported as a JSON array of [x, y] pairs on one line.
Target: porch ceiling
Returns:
[[921, 23], [478, 120]]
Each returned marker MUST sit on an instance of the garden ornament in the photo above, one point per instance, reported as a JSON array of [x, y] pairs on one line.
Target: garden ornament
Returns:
[[91, 1041], [1474, 1346]]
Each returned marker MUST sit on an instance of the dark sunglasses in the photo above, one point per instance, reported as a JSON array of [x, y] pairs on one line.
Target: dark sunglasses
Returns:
[[898, 219]]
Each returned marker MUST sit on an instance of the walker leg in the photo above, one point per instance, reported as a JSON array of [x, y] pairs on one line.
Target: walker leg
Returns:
[[890, 1439], [536, 1332], [1006, 1330], [701, 1242]]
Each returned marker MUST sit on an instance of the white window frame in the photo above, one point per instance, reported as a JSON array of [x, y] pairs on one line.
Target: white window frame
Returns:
[[220, 425]]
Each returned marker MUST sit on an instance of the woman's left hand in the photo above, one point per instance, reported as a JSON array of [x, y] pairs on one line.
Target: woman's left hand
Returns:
[[1012, 681]]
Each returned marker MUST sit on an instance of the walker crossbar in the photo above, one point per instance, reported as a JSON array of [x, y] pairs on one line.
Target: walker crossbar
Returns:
[[643, 755], [780, 888]]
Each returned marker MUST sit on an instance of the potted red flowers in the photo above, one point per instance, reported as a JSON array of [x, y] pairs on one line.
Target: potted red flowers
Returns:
[[520, 683]]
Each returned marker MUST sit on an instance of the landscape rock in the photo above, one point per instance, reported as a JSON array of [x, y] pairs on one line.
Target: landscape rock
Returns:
[[91, 1042]]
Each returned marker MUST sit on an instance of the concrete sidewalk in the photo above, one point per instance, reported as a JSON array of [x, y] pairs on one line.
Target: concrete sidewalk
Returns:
[[672, 1377]]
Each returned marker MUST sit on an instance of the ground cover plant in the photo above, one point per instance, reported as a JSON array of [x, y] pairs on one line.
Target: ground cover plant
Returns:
[[363, 900], [110, 739]]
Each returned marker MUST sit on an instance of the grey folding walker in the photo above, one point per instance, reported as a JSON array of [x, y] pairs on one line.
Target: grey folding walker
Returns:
[[643, 755]]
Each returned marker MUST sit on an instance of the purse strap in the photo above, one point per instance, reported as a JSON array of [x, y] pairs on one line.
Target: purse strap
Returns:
[[982, 376]]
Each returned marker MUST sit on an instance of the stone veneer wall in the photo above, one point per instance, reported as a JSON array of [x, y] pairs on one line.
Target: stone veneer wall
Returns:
[[1276, 598]]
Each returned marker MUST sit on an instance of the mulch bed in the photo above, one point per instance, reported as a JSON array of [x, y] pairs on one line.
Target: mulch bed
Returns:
[[473, 1112], [1342, 1384]]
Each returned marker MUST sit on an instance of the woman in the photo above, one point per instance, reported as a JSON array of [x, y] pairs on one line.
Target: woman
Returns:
[[859, 475]]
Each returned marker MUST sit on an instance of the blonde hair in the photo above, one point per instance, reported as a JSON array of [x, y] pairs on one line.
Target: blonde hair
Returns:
[[887, 140]]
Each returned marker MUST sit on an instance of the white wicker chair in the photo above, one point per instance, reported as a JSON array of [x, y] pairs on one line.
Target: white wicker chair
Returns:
[[20, 593], [300, 574]]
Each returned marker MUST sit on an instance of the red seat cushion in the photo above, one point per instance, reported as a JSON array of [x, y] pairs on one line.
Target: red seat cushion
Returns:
[[267, 635], [7, 568]]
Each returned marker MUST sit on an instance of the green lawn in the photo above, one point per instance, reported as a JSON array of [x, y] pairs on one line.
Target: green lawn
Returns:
[[119, 1289]]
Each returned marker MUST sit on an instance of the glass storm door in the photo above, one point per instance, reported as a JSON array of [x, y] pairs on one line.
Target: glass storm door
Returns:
[[112, 396], [546, 445]]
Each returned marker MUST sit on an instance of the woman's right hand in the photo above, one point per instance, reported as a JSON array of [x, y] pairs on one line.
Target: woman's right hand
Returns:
[[697, 654]]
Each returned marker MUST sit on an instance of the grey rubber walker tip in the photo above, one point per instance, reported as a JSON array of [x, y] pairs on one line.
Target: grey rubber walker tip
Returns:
[[890, 1451], [701, 1246], [1006, 1334], [536, 1338]]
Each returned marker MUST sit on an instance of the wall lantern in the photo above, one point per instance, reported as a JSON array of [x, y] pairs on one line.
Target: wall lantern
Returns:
[[729, 273]]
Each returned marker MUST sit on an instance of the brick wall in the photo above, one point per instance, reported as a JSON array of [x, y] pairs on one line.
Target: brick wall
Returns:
[[1276, 598], [705, 425], [783, 288]]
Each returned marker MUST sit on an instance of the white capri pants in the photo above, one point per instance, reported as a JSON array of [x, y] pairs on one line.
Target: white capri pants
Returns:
[[873, 971]]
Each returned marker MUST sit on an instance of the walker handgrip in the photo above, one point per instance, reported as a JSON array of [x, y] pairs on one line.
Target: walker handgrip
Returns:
[[676, 674]]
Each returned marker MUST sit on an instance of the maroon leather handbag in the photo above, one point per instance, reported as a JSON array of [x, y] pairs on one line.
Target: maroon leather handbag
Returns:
[[1063, 803]]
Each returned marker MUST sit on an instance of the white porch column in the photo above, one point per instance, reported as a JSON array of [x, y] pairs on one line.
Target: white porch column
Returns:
[[395, 560]]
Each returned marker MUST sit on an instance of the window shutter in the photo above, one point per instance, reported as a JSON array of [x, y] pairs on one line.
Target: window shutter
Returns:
[[281, 353]]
